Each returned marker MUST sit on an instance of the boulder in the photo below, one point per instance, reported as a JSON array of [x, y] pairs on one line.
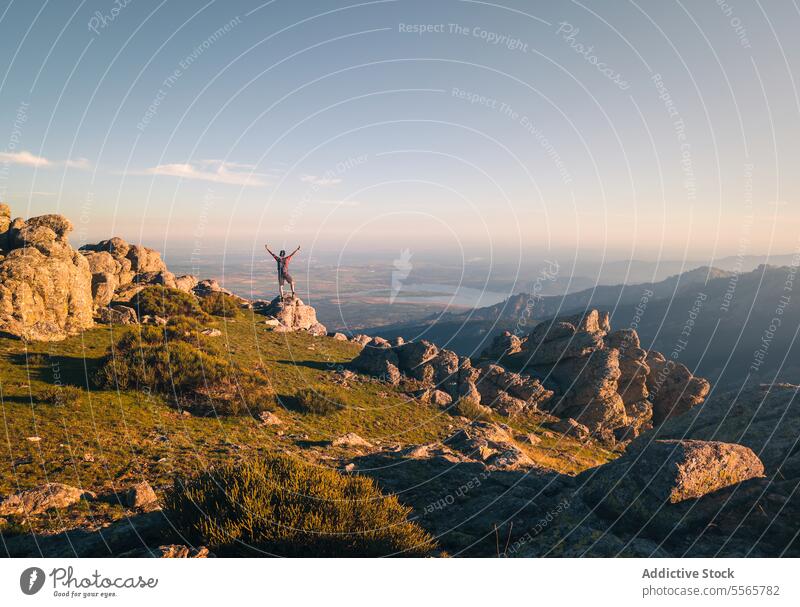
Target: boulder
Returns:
[[505, 343], [292, 313], [351, 439], [186, 283], [318, 330], [412, 357], [361, 340], [140, 495], [510, 393], [45, 285], [666, 472], [269, 419], [104, 285], [589, 388], [569, 427], [40, 499], [378, 360], [672, 387], [490, 443], [765, 418], [440, 398], [181, 551], [117, 315], [5, 225], [578, 345]]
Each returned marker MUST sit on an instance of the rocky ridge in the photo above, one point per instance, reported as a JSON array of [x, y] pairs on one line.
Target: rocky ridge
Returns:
[[573, 368]]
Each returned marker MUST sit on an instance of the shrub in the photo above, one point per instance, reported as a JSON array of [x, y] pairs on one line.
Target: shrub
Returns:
[[472, 409], [320, 400], [60, 395], [166, 302], [178, 361], [280, 505], [221, 304]]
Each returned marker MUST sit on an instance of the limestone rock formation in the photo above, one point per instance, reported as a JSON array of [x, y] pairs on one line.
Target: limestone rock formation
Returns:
[[45, 285]]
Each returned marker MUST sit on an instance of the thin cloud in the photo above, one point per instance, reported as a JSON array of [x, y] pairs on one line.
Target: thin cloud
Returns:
[[211, 170], [24, 158], [79, 163], [341, 203], [320, 181]]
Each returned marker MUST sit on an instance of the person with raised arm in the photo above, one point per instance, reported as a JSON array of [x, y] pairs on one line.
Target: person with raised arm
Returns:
[[283, 268]]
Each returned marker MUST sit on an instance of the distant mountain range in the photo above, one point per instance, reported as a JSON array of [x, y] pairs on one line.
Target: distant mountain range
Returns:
[[721, 324]]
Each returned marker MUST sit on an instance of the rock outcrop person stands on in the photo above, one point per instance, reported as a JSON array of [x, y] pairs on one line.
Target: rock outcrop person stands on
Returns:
[[291, 314], [45, 284]]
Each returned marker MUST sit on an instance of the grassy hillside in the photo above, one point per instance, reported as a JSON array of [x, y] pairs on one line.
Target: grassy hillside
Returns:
[[107, 440]]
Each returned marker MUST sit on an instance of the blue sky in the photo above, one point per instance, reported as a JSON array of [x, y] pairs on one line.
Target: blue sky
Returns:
[[622, 129]]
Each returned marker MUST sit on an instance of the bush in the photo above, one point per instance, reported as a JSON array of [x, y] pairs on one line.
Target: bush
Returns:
[[221, 304], [166, 302], [472, 409], [178, 361], [320, 400], [282, 506], [61, 395]]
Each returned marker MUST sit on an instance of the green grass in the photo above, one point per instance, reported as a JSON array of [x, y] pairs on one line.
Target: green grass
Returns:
[[321, 400]]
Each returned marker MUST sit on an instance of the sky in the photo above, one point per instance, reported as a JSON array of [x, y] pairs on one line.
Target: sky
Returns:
[[479, 130]]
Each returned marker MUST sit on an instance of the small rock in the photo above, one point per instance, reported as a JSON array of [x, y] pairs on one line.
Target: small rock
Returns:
[[350, 467], [269, 419], [33, 439], [531, 439], [272, 322], [351, 439], [569, 427], [139, 496], [179, 551], [88, 457], [338, 336], [441, 398], [211, 332]]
